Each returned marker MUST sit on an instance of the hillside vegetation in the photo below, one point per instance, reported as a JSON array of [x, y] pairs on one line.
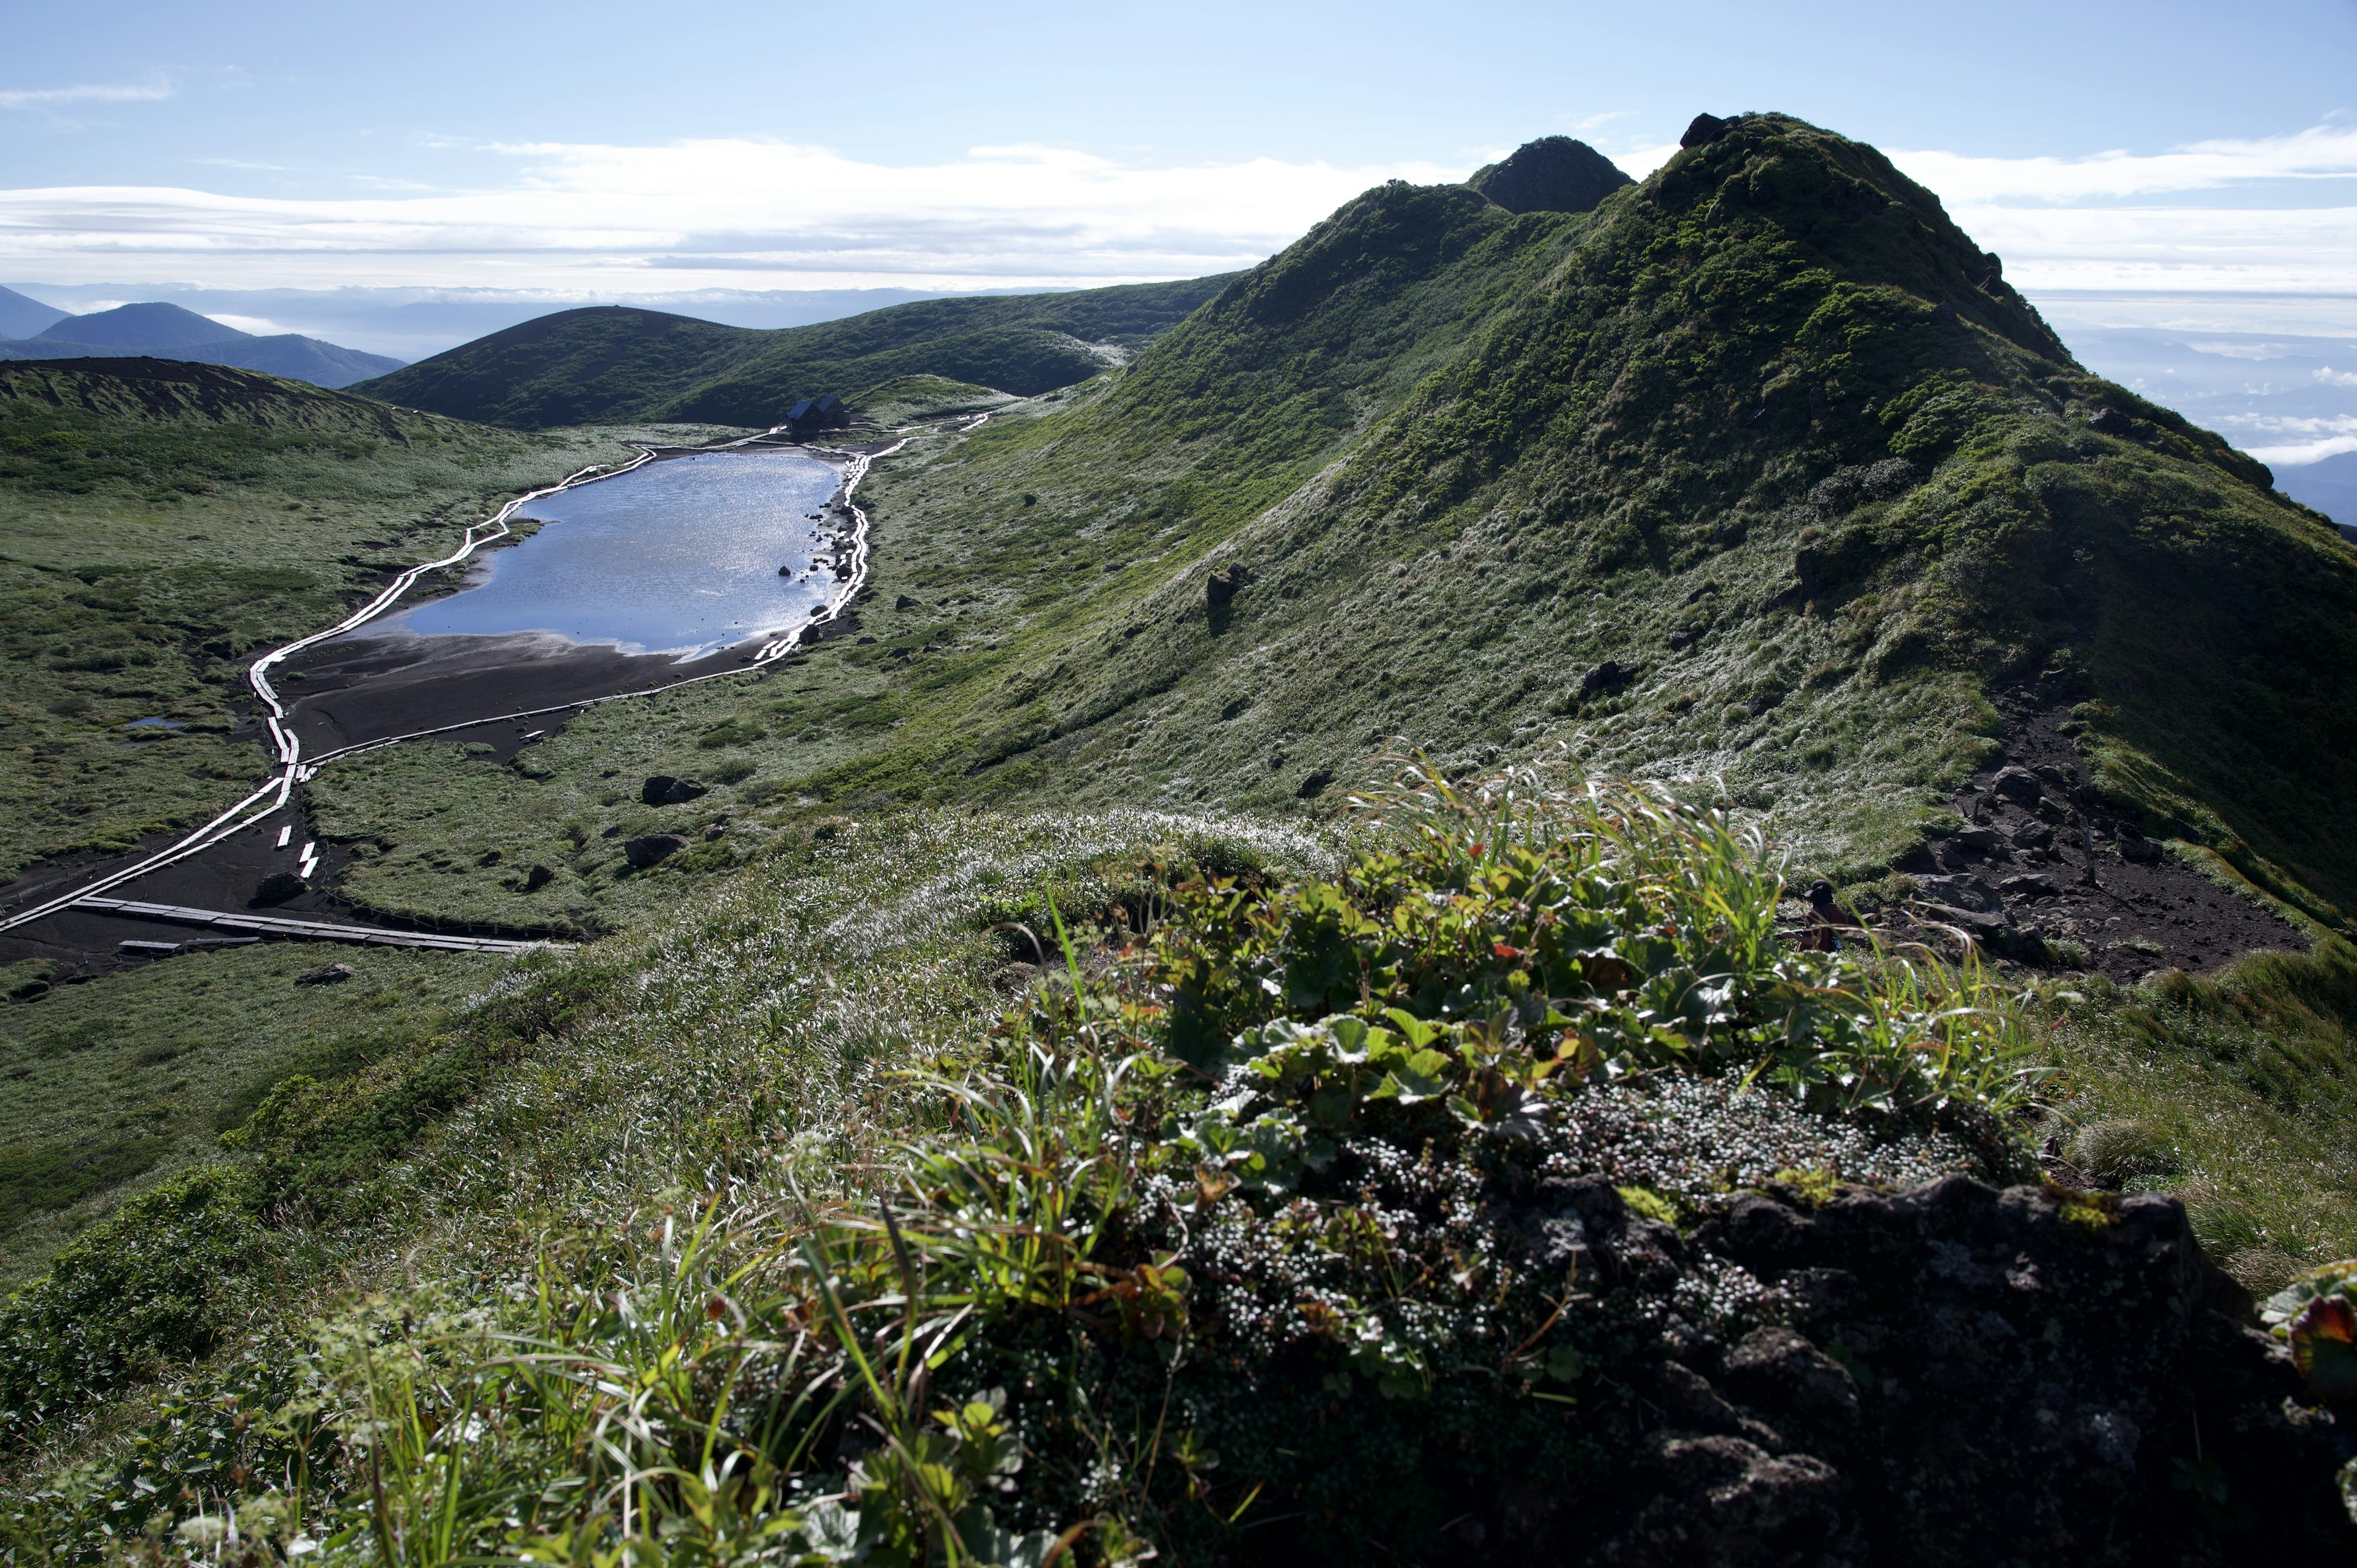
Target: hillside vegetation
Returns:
[[611, 362], [1078, 1099], [1757, 476]]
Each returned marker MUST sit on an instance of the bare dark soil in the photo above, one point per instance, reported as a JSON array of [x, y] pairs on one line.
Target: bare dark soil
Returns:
[[2131, 904]]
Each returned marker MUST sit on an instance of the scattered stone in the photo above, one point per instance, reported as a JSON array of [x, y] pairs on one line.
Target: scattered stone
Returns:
[[652, 849], [538, 877], [2028, 886], [1681, 640], [785, 571], [2111, 422], [2017, 784], [1963, 892], [1982, 925], [2033, 836], [279, 886], [1609, 676], [905, 603], [662, 789], [714, 831], [1975, 839], [1315, 785], [326, 974], [1222, 585]]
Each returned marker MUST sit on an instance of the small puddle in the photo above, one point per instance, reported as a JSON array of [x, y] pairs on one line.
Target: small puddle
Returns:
[[679, 557]]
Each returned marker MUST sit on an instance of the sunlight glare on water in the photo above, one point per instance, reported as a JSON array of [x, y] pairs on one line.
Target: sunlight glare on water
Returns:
[[678, 557]]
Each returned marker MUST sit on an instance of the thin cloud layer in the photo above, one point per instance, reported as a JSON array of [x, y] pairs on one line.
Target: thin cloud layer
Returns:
[[2224, 220], [606, 216], [89, 92]]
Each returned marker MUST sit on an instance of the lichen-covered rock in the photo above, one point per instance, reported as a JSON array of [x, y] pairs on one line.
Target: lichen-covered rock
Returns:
[[1963, 1376]]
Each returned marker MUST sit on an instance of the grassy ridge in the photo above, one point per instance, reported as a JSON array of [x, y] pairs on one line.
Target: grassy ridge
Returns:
[[609, 362]]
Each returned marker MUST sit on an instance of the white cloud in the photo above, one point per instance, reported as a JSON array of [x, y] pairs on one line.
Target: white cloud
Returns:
[[261, 327], [598, 217], [51, 97], [2321, 152]]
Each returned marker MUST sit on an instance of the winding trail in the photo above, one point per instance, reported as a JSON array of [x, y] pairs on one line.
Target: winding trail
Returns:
[[273, 796]]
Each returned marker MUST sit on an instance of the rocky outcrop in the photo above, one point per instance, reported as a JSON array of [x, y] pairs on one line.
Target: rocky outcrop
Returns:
[[652, 849], [662, 789], [1962, 1376]]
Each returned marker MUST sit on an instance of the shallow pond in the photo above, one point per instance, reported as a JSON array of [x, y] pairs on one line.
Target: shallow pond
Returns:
[[679, 557]]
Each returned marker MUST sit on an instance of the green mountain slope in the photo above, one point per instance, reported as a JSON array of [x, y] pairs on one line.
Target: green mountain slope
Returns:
[[1758, 473], [614, 362]]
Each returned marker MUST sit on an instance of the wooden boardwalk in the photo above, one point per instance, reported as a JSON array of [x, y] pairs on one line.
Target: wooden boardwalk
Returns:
[[311, 930]]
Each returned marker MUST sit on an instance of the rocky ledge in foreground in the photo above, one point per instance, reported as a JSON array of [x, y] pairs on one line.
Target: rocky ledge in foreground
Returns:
[[1970, 1377]]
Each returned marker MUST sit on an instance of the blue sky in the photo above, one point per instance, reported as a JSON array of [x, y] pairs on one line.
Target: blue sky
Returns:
[[2185, 166]]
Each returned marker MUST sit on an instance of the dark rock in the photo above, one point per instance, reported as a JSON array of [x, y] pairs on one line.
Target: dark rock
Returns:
[[2111, 422], [326, 974], [1722, 1500], [1315, 785], [1757, 1232], [1222, 585], [785, 571], [2033, 836], [714, 831], [1702, 130], [1963, 892], [1680, 641], [2028, 886], [538, 877], [1975, 839], [2017, 784], [652, 849], [279, 886], [662, 789], [2143, 850], [1981, 924], [1608, 677], [1779, 1374], [1554, 173], [905, 603]]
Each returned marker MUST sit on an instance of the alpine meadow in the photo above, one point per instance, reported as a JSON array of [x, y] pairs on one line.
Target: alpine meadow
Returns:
[[1591, 870]]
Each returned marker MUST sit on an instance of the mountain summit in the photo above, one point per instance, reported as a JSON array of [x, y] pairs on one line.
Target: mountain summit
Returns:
[[1554, 173]]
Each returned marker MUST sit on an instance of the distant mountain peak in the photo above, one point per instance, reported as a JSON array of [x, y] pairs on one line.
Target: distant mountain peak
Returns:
[[1554, 173], [147, 327]]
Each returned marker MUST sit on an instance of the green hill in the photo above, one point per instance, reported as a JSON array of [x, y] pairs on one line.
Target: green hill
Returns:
[[614, 362]]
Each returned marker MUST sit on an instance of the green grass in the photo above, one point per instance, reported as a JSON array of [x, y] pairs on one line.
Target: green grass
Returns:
[[131, 1077], [2237, 1092]]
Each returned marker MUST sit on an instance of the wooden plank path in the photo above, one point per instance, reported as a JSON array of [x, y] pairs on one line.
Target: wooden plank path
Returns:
[[313, 930]]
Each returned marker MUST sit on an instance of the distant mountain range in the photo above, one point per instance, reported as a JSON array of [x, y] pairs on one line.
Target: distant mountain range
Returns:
[[36, 331]]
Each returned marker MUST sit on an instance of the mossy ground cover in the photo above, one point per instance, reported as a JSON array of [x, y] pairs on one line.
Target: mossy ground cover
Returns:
[[157, 534]]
